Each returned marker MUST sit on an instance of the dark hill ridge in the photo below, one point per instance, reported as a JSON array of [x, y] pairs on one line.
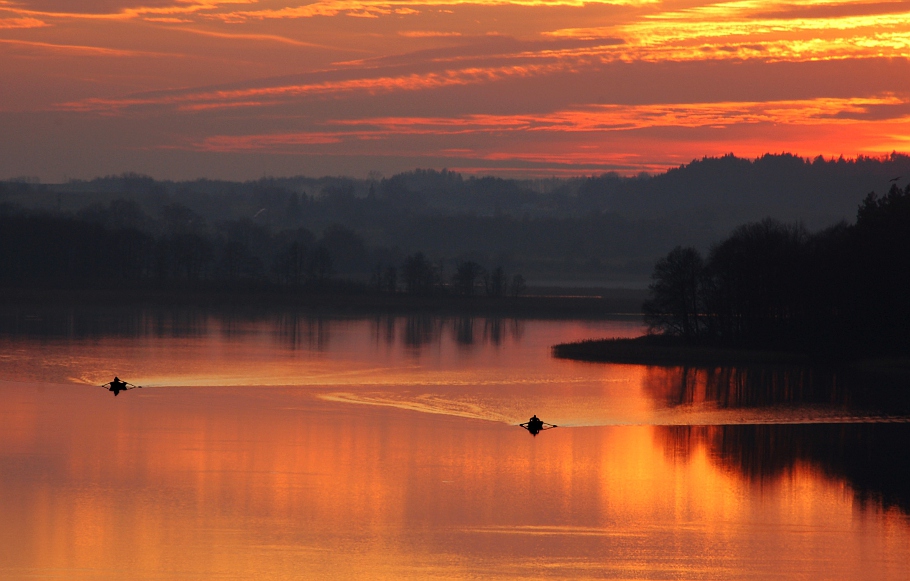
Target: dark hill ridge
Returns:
[[606, 230], [733, 190]]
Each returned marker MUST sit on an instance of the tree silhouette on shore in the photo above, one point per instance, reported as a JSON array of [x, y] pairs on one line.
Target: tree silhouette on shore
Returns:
[[775, 285]]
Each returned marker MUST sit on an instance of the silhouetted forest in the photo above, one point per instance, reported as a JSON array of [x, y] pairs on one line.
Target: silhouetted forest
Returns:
[[776, 285], [102, 248], [605, 230]]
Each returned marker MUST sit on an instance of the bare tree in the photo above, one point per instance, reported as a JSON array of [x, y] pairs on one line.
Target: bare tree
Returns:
[[420, 276], [496, 282], [675, 294], [467, 276], [518, 286]]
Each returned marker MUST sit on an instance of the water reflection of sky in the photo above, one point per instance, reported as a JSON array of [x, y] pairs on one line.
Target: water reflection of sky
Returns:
[[333, 468]]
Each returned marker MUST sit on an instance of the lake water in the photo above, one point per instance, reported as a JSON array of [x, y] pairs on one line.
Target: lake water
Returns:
[[279, 446]]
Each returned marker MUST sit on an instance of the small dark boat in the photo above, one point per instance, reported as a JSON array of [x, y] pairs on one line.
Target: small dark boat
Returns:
[[535, 425], [117, 385]]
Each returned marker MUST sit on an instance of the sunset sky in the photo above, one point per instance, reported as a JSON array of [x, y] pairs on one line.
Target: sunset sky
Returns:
[[239, 89]]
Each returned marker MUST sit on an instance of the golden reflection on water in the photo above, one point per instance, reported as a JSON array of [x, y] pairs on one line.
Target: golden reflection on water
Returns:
[[222, 483], [294, 481]]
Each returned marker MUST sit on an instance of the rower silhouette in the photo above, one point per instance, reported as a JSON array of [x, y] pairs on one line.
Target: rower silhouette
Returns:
[[535, 425], [117, 385]]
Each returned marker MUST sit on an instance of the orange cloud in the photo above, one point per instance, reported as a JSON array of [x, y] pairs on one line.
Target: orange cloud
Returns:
[[771, 30], [80, 49], [21, 23], [168, 20], [626, 117], [383, 7], [594, 119], [465, 77], [242, 36], [240, 97], [767, 30], [225, 143], [180, 7], [427, 34]]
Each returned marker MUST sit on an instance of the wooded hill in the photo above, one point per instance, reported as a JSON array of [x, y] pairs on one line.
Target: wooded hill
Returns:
[[606, 230]]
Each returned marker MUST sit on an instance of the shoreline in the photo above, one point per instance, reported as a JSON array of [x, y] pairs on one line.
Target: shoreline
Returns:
[[334, 301], [670, 352], [659, 350]]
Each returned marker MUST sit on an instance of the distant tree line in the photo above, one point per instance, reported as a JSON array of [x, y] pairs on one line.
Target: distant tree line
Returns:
[[775, 285], [419, 276], [119, 246], [606, 229]]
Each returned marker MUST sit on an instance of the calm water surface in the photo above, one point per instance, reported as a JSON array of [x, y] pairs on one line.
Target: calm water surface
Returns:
[[288, 447]]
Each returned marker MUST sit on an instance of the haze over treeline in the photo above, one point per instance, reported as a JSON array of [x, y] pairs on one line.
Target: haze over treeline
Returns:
[[604, 230]]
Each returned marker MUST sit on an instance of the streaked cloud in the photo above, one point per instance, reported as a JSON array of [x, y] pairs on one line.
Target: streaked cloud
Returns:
[[493, 83], [591, 119], [76, 49], [765, 30], [239, 36], [168, 20], [793, 10], [224, 10], [427, 34], [378, 8], [28, 22], [273, 94], [116, 9]]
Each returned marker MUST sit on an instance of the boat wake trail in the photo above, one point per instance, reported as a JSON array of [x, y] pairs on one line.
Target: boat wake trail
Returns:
[[425, 403], [582, 414]]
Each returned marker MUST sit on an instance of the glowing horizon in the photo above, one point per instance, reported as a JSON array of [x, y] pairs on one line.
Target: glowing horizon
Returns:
[[240, 88]]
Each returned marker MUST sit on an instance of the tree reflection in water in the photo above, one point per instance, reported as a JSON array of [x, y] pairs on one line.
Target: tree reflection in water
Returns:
[[755, 386], [97, 322], [294, 329], [304, 331], [868, 450], [464, 331], [420, 330], [871, 458]]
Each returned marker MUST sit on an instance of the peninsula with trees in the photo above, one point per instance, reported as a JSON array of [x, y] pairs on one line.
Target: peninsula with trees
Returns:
[[774, 292]]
